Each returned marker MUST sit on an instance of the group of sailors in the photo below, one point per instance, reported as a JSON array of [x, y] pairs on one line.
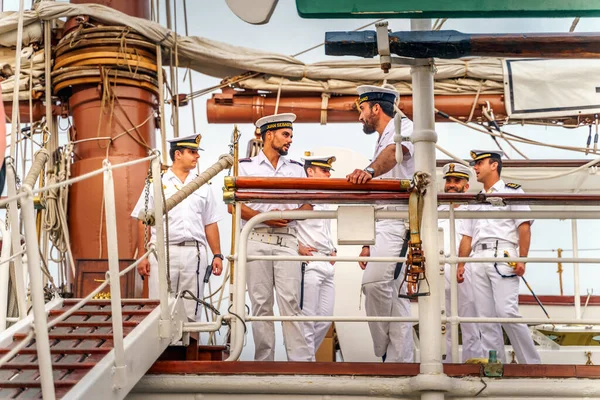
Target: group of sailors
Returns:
[[485, 289]]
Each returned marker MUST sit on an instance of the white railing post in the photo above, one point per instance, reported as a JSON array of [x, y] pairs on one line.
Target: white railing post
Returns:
[[424, 138], [13, 218], [113, 276], [163, 285], [453, 288], [4, 275], [576, 289], [42, 342]]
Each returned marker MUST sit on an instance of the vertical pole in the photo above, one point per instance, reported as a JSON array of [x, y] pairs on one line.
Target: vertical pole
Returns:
[[15, 101], [40, 321], [424, 138], [13, 217], [4, 275], [238, 289], [453, 287], [110, 212], [163, 285], [576, 289]]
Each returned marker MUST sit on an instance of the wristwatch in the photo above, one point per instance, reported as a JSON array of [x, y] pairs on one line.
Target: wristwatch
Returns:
[[218, 256], [370, 171]]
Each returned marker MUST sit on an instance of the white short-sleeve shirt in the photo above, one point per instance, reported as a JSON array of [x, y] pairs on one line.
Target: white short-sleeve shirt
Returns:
[[317, 232], [187, 219], [406, 169], [488, 230], [261, 166]]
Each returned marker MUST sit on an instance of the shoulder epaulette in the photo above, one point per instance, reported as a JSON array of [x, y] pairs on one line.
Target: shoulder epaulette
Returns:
[[244, 160], [512, 185], [297, 162]]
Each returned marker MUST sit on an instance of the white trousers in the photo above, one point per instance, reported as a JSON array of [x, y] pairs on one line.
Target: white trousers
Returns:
[[283, 277], [188, 266], [319, 299], [392, 339], [471, 336], [496, 296]]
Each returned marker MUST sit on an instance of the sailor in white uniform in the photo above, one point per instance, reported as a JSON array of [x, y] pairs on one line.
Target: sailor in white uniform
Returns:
[[393, 341], [275, 237], [456, 180], [496, 285], [314, 238], [192, 227]]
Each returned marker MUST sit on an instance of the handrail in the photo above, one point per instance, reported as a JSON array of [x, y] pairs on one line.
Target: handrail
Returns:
[[241, 256]]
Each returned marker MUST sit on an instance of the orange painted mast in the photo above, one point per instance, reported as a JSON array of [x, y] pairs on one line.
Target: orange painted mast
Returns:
[[132, 108]]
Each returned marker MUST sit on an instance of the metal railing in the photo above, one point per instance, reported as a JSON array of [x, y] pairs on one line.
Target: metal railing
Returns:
[[242, 258]]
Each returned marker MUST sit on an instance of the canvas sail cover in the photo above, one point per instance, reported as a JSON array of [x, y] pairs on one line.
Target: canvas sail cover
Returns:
[[539, 88]]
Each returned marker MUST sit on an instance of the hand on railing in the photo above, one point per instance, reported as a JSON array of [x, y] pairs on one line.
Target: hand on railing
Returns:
[[144, 268]]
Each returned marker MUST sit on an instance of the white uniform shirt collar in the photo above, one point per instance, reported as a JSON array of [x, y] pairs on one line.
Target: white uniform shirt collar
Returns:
[[496, 187], [263, 158], [171, 175]]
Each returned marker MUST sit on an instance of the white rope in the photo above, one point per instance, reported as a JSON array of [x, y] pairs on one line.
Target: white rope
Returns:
[[555, 176], [278, 94]]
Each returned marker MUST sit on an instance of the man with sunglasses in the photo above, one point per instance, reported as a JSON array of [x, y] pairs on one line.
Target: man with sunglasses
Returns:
[[496, 285], [192, 228]]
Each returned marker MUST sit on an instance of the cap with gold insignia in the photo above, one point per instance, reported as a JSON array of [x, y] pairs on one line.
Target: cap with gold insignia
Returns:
[[378, 93], [457, 170], [277, 121], [319, 161], [477, 155], [188, 142]]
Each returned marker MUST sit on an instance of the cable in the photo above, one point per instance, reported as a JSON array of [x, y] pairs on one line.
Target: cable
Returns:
[[204, 303]]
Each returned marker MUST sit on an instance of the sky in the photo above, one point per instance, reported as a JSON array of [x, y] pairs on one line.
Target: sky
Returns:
[[287, 33]]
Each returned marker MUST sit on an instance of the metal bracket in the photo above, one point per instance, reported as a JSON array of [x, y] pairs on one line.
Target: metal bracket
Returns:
[[496, 201], [119, 377], [164, 329], [383, 46]]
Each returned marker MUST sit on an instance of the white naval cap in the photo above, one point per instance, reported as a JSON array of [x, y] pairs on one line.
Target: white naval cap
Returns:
[[477, 155], [276, 121], [189, 142], [457, 170], [319, 161], [371, 92]]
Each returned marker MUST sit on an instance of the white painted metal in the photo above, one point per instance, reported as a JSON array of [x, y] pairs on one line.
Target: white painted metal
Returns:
[[304, 386], [142, 346], [453, 288], [37, 295], [163, 284], [356, 225], [576, 286], [4, 275], [257, 12], [119, 372]]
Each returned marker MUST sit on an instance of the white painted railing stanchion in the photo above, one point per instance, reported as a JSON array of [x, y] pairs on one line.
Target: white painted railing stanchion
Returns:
[[119, 378], [159, 226], [42, 341]]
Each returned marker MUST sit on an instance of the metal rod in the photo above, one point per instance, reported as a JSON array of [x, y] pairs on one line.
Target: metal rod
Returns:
[[14, 132], [576, 289], [40, 319], [424, 138], [4, 275], [119, 371], [453, 288], [163, 284], [337, 184], [402, 198], [559, 270]]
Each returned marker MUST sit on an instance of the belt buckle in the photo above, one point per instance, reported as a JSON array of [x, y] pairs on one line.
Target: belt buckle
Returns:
[[279, 241]]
